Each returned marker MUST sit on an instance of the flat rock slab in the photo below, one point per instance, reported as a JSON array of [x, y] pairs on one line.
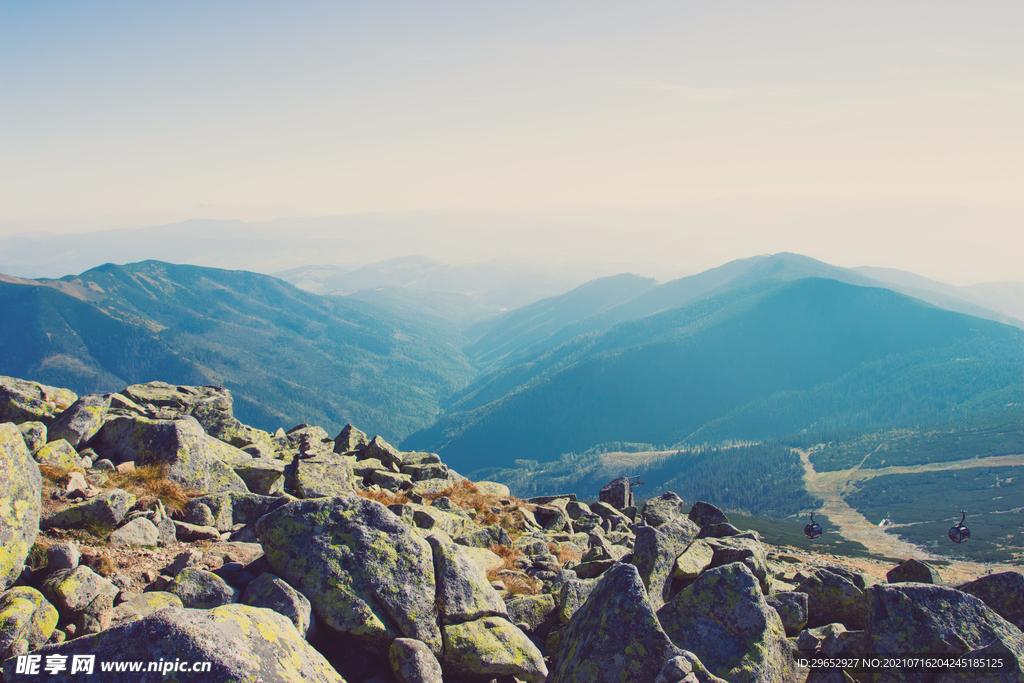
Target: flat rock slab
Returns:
[[21, 505]]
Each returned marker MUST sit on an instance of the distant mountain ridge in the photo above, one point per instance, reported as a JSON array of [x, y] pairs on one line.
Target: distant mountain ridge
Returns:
[[767, 359], [281, 351]]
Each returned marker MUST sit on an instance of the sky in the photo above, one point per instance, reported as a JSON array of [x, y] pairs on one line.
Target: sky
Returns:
[[860, 133]]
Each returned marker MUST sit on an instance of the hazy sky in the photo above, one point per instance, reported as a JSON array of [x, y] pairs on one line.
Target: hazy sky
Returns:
[[862, 133]]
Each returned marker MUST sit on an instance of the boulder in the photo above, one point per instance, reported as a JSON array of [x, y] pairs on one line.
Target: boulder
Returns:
[[350, 440], [485, 537], [833, 599], [322, 476], [81, 421], [390, 481], [1003, 592], [22, 487], [425, 471], [106, 510], [264, 476], [749, 551], [493, 488], [366, 574], [413, 662], [143, 605], [492, 646], [723, 618], [58, 453], [62, 556], [536, 612], [617, 493], [241, 643], [140, 532], [655, 553], [34, 434], [693, 560], [914, 618], [792, 609], [572, 595], [25, 617], [381, 450], [271, 592], [23, 401], [72, 591], [463, 590], [200, 589], [193, 458], [703, 514], [614, 637], [912, 571], [663, 509]]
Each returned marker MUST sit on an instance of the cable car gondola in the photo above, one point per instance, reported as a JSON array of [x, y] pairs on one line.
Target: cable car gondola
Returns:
[[813, 530], [960, 533]]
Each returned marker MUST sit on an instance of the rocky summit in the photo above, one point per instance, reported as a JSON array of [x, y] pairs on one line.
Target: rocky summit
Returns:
[[152, 529]]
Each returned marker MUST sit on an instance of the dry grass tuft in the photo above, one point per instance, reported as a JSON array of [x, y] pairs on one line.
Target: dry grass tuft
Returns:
[[516, 582], [57, 474], [486, 509], [563, 553], [99, 563], [151, 480], [384, 497]]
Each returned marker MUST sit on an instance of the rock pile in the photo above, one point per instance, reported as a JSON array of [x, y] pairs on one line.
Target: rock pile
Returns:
[[354, 561]]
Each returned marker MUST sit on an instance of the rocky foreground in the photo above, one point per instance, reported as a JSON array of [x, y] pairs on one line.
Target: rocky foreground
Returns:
[[152, 526]]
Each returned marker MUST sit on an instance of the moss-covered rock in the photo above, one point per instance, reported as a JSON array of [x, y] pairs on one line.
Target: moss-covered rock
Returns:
[[241, 643], [749, 551], [702, 514], [264, 476], [615, 636], [271, 592], [105, 510], [913, 571], [366, 574], [463, 591], [655, 553], [663, 509], [1003, 592], [35, 434], [692, 561], [58, 453], [537, 613], [143, 605], [201, 589], [321, 476], [25, 616], [350, 440], [915, 618], [82, 420], [792, 609], [833, 599], [139, 532], [723, 618], [24, 401], [492, 646], [193, 458], [72, 591], [572, 595], [20, 505], [413, 662]]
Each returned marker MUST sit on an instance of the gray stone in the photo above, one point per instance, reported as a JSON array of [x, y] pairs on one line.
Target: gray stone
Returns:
[[265, 476], [140, 606], [23, 401], [241, 643], [492, 646], [695, 559], [34, 434], [193, 458], [105, 510], [365, 572], [390, 481], [72, 591], [463, 590], [572, 594], [413, 662], [62, 556], [22, 487], [485, 537], [664, 508], [618, 493], [655, 553], [723, 618], [792, 609], [81, 421], [749, 551], [350, 440], [537, 612], [140, 532], [271, 592], [1003, 592], [833, 599], [703, 514], [26, 621], [58, 453], [614, 637], [200, 589], [322, 476], [912, 571], [381, 450]]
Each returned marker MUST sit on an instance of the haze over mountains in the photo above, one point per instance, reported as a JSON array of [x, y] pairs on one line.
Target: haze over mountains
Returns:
[[754, 348]]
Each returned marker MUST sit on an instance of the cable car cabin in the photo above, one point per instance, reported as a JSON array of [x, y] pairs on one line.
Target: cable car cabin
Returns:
[[960, 533], [813, 530]]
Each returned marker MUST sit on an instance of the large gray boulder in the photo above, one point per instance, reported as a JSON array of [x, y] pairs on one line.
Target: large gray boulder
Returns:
[[22, 488], [321, 476], [492, 646], [81, 421], [832, 598], [913, 571], [26, 619], [413, 662], [201, 589], [24, 401], [703, 514], [271, 592], [655, 553], [241, 643], [723, 618], [664, 508], [914, 618], [617, 493], [193, 458], [366, 574], [73, 591], [1003, 592], [463, 591], [749, 551], [106, 510], [615, 637]]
